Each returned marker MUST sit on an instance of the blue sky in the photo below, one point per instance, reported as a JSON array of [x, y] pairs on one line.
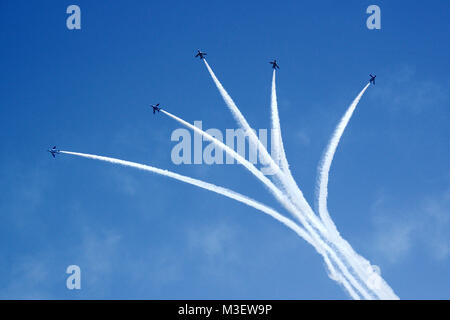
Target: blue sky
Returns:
[[138, 235]]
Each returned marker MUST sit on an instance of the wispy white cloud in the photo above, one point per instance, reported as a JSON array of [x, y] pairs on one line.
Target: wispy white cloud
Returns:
[[215, 242], [30, 278], [404, 89], [437, 210], [394, 240], [426, 222], [302, 138], [126, 183]]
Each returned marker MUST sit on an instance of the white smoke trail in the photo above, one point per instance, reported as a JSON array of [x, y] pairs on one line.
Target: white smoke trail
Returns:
[[327, 159], [294, 193], [232, 195], [279, 196], [361, 266], [277, 140], [287, 182], [248, 165], [205, 185], [280, 155], [240, 119], [280, 158]]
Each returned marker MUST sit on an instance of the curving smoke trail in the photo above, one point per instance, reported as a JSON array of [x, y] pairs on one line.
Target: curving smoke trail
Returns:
[[288, 184], [204, 185], [240, 119], [359, 264], [232, 195], [344, 265], [327, 159], [284, 201], [277, 141], [361, 267], [280, 158], [304, 212]]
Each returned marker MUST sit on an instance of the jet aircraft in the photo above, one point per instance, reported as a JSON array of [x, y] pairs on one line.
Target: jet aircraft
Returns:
[[53, 151], [200, 54], [274, 64], [155, 108]]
